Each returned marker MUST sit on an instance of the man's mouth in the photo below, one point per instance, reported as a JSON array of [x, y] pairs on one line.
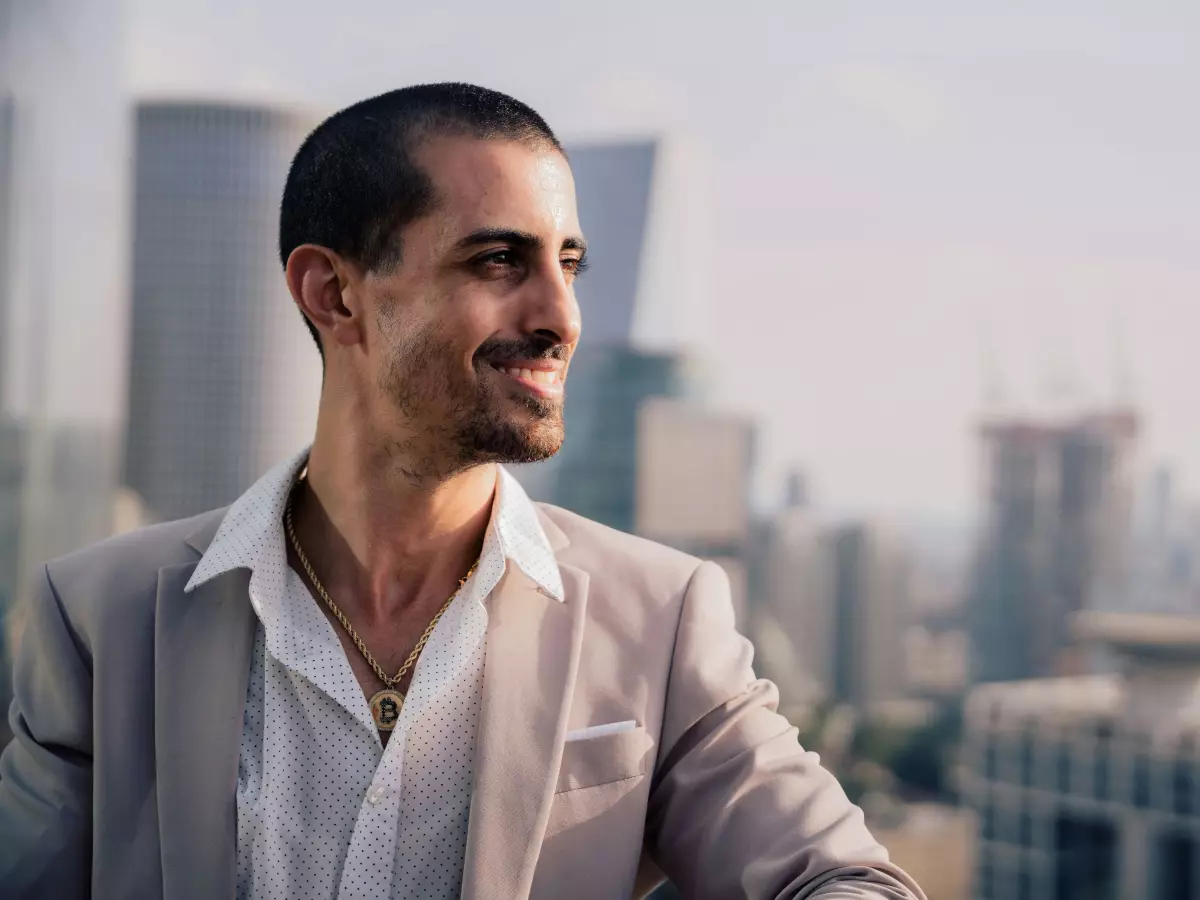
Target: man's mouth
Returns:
[[543, 377]]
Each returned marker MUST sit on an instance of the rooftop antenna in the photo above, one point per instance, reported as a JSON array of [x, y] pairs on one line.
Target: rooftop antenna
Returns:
[[1061, 392]]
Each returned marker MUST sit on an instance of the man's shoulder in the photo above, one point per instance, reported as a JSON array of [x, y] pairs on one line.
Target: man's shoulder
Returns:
[[607, 553], [125, 568]]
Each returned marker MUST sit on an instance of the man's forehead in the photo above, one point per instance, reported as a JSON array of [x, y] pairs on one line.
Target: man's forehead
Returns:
[[496, 184]]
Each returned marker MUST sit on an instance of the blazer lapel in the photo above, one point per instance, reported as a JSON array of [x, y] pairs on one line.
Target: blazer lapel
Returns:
[[532, 654], [202, 647]]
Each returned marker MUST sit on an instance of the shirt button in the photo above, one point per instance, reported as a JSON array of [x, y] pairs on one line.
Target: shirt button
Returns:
[[376, 794]]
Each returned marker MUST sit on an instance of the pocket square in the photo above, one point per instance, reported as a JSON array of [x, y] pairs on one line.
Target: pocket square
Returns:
[[594, 731]]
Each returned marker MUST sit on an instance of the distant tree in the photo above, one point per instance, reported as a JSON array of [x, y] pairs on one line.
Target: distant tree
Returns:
[[923, 760], [919, 763], [878, 742]]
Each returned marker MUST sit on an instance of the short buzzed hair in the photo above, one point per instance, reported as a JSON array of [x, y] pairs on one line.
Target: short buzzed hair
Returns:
[[354, 182]]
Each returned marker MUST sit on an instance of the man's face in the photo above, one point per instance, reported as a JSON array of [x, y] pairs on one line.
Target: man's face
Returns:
[[474, 329]]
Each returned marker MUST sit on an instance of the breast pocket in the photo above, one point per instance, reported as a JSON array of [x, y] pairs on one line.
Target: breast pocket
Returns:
[[604, 759]]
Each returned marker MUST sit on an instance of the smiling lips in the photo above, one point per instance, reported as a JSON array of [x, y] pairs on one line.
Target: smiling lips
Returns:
[[543, 377]]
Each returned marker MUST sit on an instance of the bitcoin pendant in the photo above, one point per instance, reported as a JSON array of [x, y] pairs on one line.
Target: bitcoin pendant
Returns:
[[385, 708]]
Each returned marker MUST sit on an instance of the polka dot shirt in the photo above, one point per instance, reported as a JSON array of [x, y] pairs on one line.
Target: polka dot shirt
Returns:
[[324, 809]]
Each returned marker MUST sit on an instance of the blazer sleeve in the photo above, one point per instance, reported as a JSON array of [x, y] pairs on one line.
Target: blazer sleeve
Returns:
[[46, 770], [737, 808]]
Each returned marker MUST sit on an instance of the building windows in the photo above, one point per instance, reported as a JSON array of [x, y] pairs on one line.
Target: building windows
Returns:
[[1183, 787], [1062, 770], [1024, 885], [1175, 875], [1025, 829], [1085, 861], [987, 821], [1026, 758], [1100, 772], [1141, 781], [984, 880]]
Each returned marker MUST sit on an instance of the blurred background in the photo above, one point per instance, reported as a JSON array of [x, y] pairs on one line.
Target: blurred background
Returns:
[[894, 313]]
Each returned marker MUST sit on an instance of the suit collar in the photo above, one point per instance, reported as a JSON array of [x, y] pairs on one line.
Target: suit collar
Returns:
[[556, 538]]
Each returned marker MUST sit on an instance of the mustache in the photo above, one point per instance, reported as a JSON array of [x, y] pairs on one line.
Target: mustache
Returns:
[[504, 349]]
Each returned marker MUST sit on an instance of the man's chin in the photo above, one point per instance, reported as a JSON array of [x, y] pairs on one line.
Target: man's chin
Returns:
[[515, 442]]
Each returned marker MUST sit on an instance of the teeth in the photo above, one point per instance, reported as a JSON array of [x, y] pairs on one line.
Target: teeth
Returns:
[[538, 376]]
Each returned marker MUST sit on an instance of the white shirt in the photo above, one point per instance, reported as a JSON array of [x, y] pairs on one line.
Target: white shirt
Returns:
[[324, 809]]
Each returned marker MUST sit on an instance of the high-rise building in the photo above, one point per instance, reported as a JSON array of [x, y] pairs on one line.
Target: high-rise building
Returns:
[[11, 452], [63, 293], [1089, 786], [838, 595], [872, 571], [795, 621], [1165, 568], [224, 378], [693, 472], [595, 473], [634, 198], [1057, 510], [644, 208], [7, 138], [614, 185]]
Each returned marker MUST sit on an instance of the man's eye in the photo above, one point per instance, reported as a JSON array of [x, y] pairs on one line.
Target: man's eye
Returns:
[[499, 258], [575, 265]]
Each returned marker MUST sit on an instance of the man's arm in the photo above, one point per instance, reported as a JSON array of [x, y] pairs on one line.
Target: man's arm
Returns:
[[738, 808], [46, 771]]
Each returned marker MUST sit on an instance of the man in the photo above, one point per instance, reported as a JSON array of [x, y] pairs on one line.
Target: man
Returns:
[[384, 672]]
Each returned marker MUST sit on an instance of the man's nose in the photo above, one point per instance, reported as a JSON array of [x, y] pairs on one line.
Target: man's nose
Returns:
[[552, 310]]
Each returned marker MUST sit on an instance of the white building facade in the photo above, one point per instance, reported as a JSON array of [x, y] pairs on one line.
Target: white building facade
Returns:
[[1087, 786]]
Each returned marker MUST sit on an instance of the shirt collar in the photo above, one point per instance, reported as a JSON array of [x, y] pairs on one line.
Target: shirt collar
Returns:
[[251, 532]]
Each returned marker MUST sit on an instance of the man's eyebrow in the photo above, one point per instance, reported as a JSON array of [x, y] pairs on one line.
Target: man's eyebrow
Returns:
[[516, 238], [512, 236]]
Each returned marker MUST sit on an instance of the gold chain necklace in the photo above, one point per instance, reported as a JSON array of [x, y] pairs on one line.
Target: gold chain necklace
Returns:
[[385, 704]]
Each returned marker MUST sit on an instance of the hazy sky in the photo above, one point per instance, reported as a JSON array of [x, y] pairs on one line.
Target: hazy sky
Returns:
[[905, 196]]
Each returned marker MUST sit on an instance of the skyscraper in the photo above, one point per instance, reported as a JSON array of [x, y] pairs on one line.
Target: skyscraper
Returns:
[[223, 377], [840, 595], [595, 473], [613, 189], [1057, 499], [796, 620], [644, 208], [872, 572], [631, 194], [693, 473], [11, 452], [1164, 570], [7, 137], [63, 178]]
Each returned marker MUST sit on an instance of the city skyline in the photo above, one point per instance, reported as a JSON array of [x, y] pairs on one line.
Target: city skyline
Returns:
[[889, 317], [902, 203], [910, 213]]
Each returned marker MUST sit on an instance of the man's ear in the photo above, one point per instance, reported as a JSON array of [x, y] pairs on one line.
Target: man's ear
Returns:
[[320, 282]]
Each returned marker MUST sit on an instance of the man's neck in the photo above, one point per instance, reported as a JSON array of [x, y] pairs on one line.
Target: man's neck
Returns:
[[383, 541]]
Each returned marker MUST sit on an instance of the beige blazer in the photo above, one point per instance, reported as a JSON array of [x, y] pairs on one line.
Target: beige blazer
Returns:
[[120, 782]]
